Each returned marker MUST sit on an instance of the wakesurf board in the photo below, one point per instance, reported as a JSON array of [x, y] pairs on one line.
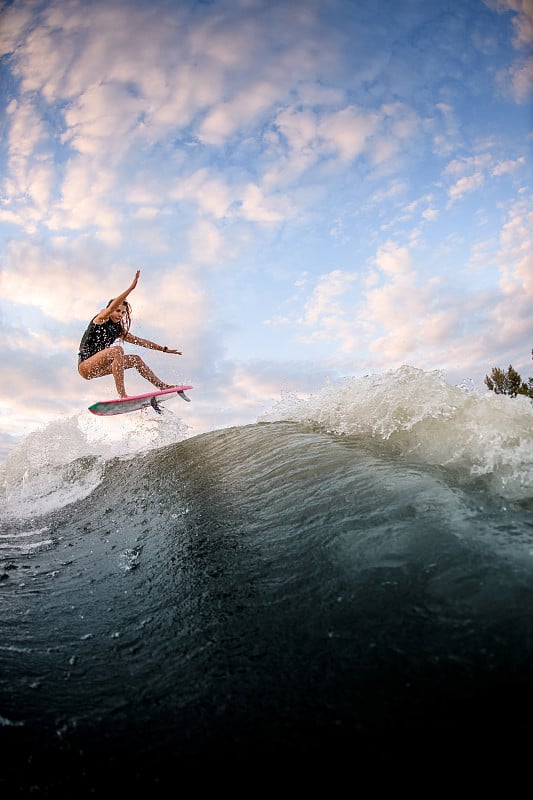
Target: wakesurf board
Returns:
[[123, 405]]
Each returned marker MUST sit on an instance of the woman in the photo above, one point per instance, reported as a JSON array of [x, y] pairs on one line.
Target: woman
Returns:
[[99, 355]]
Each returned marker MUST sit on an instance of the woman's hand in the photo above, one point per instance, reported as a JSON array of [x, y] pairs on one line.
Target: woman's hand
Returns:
[[176, 352], [134, 282]]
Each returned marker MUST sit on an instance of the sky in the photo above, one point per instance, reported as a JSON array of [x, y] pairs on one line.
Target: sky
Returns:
[[312, 189]]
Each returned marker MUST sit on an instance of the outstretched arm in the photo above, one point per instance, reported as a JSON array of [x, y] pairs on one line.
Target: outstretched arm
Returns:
[[103, 315], [150, 345]]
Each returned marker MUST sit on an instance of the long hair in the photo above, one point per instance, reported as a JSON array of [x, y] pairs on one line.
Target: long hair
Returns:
[[125, 322]]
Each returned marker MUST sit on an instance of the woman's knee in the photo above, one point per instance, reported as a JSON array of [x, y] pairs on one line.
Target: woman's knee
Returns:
[[133, 362]]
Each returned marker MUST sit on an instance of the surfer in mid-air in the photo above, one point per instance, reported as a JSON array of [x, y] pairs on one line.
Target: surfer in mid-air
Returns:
[[100, 355]]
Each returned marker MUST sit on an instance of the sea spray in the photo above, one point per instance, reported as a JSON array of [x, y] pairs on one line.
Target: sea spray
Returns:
[[419, 414], [64, 460]]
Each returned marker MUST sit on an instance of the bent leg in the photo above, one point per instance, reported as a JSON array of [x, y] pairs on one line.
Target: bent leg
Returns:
[[110, 361], [143, 369]]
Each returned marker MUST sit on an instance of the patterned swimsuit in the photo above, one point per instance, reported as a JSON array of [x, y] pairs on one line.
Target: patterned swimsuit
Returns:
[[98, 337]]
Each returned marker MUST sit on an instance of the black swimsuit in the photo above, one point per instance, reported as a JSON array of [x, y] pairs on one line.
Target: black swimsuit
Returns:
[[98, 337]]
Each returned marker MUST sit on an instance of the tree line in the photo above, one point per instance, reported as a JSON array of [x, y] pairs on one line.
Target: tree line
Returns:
[[508, 381]]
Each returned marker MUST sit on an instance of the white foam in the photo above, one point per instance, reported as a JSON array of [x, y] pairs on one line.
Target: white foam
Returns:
[[64, 461], [420, 414]]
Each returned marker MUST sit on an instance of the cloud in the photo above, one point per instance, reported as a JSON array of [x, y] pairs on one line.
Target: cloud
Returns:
[[146, 212], [394, 260], [15, 20], [415, 319], [516, 254], [520, 78], [510, 165], [323, 303], [345, 132], [465, 185], [206, 243], [342, 135], [330, 315], [522, 21], [116, 94], [106, 111], [311, 136], [258, 207], [43, 279], [218, 200], [460, 166], [30, 168], [517, 79], [67, 282], [87, 190], [471, 172], [241, 111], [445, 129], [402, 316], [210, 193]]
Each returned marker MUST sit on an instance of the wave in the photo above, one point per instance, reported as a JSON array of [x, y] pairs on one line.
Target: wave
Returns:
[[64, 461], [409, 412], [352, 566], [420, 415]]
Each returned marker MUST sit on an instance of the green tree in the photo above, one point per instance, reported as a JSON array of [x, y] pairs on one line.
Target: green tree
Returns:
[[508, 382]]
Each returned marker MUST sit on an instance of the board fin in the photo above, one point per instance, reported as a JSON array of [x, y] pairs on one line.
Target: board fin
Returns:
[[155, 405], [184, 396]]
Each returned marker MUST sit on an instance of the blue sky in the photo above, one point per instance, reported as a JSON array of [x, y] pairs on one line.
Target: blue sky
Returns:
[[312, 189]]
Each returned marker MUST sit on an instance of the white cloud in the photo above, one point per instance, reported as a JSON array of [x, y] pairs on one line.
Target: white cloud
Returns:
[[518, 78], [258, 207], [311, 136], [15, 20], [346, 131], [103, 118], [516, 254], [522, 21], [211, 193], [146, 212], [398, 302], [445, 129], [323, 300], [206, 243], [394, 260], [521, 79], [465, 185], [174, 302], [416, 317], [30, 173], [58, 281], [69, 283], [510, 165], [468, 164], [228, 117], [400, 317], [87, 189], [470, 172]]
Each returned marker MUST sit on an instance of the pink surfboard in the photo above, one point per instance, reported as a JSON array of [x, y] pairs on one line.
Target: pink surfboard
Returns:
[[123, 405]]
